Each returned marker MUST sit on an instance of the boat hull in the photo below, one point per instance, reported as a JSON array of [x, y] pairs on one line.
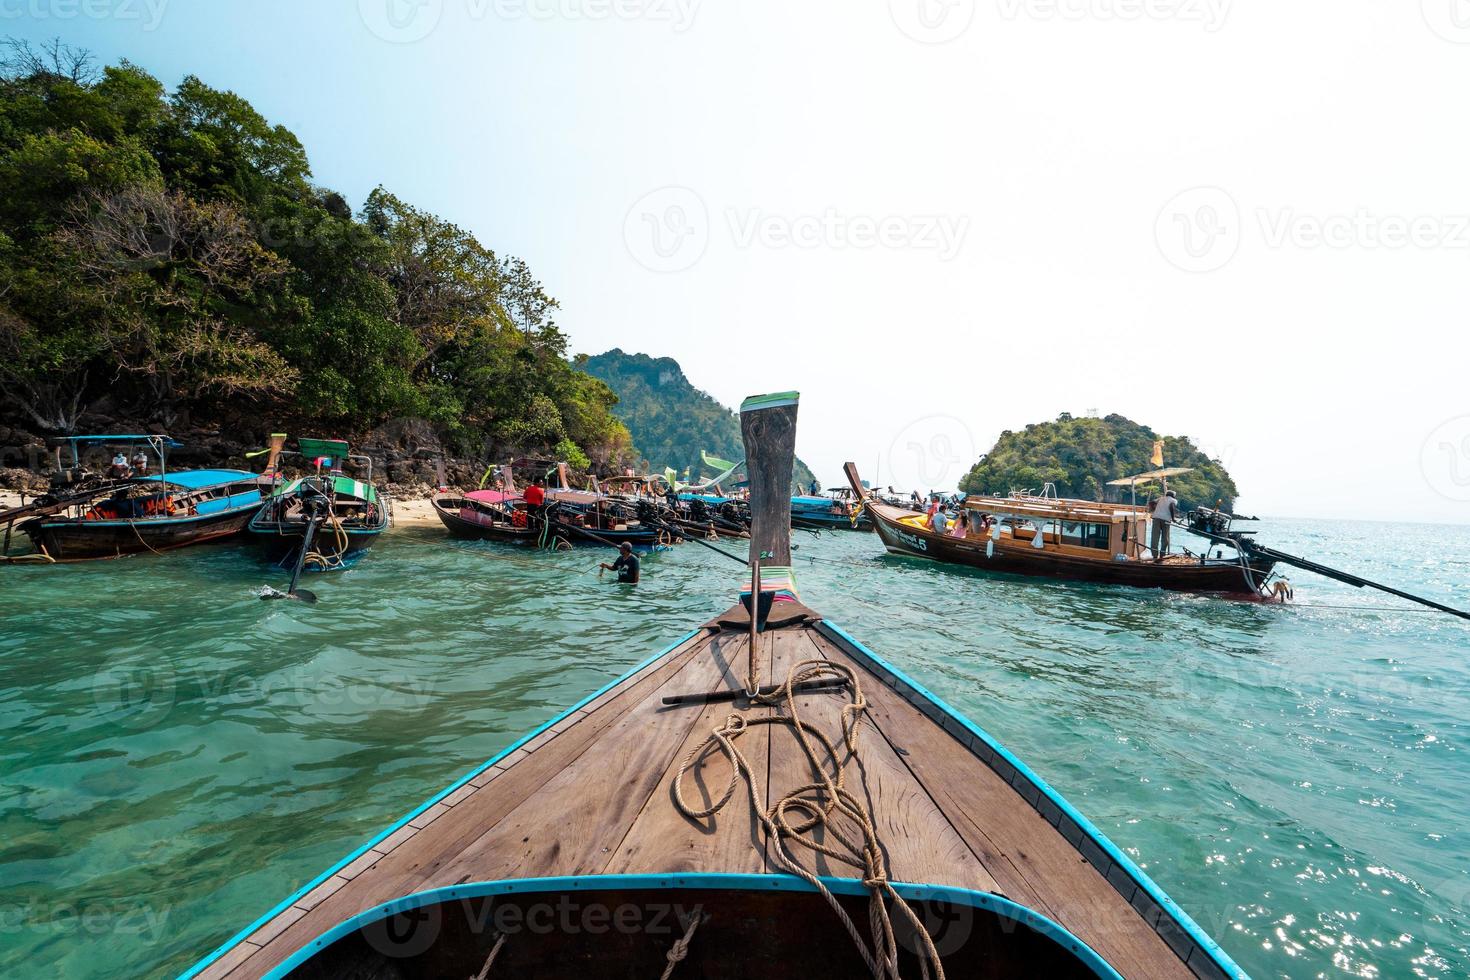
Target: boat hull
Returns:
[[74, 540], [637, 537], [1212, 576], [282, 542], [450, 514], [626, 924]]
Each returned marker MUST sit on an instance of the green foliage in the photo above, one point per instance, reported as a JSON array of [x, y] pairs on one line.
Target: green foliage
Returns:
[[1081, 455], [670, 420], [167, 252]]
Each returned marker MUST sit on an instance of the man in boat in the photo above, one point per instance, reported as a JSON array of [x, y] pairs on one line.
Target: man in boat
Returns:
[[119, 468], [535, 495], [939, 519], [626, 565], [1166, 511], [140, 463]]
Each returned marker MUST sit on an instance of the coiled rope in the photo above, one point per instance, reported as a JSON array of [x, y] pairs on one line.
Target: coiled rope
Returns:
[[798, 813]]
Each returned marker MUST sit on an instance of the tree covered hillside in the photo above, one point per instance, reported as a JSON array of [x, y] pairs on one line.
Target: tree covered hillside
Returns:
[[166, 258], [671, 421], [1081, 455]]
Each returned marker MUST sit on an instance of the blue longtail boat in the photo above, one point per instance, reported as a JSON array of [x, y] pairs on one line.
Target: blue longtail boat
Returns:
[[764, 797], [133, 511], [836, 509]]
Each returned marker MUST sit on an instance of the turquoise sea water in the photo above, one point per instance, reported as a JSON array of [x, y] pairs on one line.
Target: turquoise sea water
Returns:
[[176, 756]]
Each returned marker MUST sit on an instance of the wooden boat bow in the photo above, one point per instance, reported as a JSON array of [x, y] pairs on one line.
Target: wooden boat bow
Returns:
[[625, 805]]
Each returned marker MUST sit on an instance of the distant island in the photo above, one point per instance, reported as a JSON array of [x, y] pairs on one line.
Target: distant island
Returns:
[[1080, 455], [670, 421]]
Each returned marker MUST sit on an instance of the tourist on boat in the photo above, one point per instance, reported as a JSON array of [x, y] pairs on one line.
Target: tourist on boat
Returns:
[[1165, 512], [939, 520], [140, 463], [119, 468], [961, 525], [626, 565]]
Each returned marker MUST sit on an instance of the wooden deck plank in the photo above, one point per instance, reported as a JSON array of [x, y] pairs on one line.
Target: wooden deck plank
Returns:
[[662, 838], [921, 844], [422, 866], [578, 819], [1033, 863]]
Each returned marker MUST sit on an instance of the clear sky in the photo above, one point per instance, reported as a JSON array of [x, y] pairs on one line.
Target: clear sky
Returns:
[[939, 219]]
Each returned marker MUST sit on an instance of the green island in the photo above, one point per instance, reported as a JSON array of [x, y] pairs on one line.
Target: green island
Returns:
[[1080, 455]]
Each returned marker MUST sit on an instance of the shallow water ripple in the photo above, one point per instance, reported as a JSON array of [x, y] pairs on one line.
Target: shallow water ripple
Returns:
[[178, 755]]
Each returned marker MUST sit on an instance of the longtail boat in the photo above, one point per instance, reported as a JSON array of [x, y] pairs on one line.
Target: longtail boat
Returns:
[[487, 515], [1083, 540], [130, 512], [836, 509], [334, 517], [765, 797]]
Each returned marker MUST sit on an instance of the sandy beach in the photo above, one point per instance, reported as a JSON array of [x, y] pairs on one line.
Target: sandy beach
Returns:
[[413, 513]]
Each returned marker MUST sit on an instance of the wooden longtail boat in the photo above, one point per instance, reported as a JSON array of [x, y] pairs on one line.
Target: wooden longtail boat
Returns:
[[153, 513], [126, 510], [487, 515], [1059, 538], [584, 517], [350, 514], [671, 825]]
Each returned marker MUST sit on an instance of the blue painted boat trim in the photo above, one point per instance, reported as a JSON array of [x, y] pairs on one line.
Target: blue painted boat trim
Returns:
[[245, 933], [1140, 878], [722, 882]]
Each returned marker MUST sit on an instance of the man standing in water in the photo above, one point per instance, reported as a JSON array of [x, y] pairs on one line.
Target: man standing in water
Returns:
[[626, 565], [1165, 512]]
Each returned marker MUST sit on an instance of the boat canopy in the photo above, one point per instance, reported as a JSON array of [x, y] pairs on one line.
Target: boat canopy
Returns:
[[583, 498], [1163, 474], [1053, 509], [199, 479], [345, 486], [491, 496], [167, 441], [313, 448]]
